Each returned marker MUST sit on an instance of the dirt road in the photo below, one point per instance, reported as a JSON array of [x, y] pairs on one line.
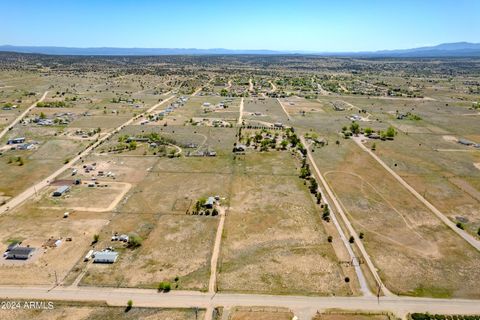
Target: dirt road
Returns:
[[216, 252], [15, 201], [304, 307], [284, 110], [274, 87], [214, 262], [339, 209], [240, 117], [22, 115], [323, 92], [471, 240]]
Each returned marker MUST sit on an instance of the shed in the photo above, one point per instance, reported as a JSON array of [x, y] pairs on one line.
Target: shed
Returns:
[[20, 253], [105, 256], [60, 191], [210, 202]]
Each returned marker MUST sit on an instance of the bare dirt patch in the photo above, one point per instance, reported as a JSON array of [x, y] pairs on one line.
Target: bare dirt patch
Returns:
[[260, 313], [450, 138]]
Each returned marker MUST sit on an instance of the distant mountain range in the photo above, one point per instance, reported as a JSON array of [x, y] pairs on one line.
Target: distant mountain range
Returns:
[[458, 49]]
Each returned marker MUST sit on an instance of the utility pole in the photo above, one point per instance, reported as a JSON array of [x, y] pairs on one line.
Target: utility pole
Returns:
[[378, 292]]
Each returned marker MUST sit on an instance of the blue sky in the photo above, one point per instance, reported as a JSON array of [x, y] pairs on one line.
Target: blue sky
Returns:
[[345, 25]]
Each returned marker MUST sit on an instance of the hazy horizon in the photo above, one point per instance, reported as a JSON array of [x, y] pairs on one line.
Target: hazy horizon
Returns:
[[229, 49]]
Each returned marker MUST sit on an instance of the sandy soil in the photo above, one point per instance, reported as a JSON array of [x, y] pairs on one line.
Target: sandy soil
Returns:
[[450, 138]]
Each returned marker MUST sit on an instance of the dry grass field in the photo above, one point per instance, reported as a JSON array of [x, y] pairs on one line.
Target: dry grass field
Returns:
[[449, 180], [274, 239], [174, 191], [270, 111], [401, 235]]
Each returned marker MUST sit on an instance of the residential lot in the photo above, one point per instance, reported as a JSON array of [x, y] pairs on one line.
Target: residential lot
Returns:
[[274, 239], [175, 248], [40, 229]]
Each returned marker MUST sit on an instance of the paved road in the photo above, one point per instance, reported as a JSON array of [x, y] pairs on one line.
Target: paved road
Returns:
[[15, 201], [301, 305], [467, 237], [22, 115], [361, 277]]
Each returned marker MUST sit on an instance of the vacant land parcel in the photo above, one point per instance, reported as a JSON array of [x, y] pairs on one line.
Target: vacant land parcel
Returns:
[[416, 254], [274, 239]]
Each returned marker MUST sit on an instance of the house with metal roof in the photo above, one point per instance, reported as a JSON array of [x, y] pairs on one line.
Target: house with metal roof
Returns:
[[210, 202], [19, 253], [61, 191], [105, 256], [16, 140]]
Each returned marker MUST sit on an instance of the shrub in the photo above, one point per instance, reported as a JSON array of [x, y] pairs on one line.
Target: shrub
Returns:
[[134, 241], [129, 305], [164, 286], [390, 133]]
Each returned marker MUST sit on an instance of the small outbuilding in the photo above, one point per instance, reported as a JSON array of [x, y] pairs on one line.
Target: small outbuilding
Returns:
[[61, 191], [240, 148]]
